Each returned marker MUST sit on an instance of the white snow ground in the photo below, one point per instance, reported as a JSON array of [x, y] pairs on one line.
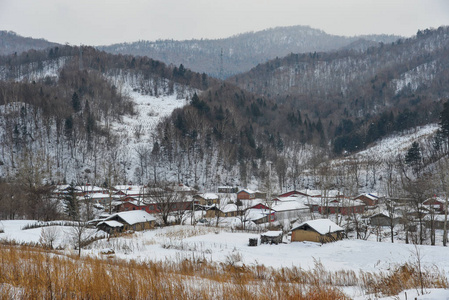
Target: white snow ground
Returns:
[[219, 245]]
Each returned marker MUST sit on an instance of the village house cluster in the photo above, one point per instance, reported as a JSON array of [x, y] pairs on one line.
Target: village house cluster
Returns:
[[138, 207]]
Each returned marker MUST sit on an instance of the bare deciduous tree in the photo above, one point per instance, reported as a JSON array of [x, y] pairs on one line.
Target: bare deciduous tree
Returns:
[[48, 236], [167, 200], [79, 235]]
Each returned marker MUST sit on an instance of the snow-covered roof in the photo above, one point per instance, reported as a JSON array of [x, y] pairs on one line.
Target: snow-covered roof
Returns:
[[331, 193], [104, 215], [182, 188], [98, 195], [375, 195], [208, 196], [295, 197], [251, 202], [272, 233], [247, 191], [89, 188], [133, 217], [311, 193], [61, 187], [291, 205], [256, 214], [385, 213], [322, 226], [229, 208], [131, 189], [111, 223], [369, 196]]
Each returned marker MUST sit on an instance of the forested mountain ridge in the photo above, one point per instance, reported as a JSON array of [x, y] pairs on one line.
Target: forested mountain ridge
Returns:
[[222, 58], [60, 109], [12, 43], [361, 95]]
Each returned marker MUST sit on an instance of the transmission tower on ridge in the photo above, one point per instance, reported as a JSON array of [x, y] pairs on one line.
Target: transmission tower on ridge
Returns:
[[81, 58], [220, 75]]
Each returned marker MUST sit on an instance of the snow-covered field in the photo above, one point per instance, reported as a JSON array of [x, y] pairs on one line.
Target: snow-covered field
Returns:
[[221, 245]]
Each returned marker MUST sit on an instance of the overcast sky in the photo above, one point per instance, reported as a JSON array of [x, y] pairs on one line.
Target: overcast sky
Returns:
[[102, 22]]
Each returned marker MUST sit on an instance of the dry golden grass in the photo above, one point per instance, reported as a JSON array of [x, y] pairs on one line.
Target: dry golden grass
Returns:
[[33, 273]]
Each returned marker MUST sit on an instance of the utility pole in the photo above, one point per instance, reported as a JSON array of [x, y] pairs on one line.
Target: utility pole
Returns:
[[268, 200]]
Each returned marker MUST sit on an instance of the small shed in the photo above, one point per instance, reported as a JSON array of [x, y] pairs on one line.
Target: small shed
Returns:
[[321, 231], [271, 237], [110, 227]]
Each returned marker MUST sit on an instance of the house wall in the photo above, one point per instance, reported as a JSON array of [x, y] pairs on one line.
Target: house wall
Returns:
[[346, 210], [203, 201], [139, 226], [300, 235], [382, 221], [245, 196], [260, 206], [290, 214], [260, 195], [150, 208]]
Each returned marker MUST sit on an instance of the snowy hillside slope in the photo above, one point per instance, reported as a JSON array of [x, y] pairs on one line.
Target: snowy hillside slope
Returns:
[[399, 143], [367, 170]]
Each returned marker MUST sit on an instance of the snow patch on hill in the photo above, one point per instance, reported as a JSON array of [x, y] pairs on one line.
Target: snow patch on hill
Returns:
[[399, 144]]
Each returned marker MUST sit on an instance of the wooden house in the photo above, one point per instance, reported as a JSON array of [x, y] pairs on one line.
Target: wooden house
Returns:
[[151, 208], [384, 219], [289, 210], [136, 220], [435, 203], [207, 199], [229, 210], [320, 231], [368, 199], [342, 207], [246, 194]]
